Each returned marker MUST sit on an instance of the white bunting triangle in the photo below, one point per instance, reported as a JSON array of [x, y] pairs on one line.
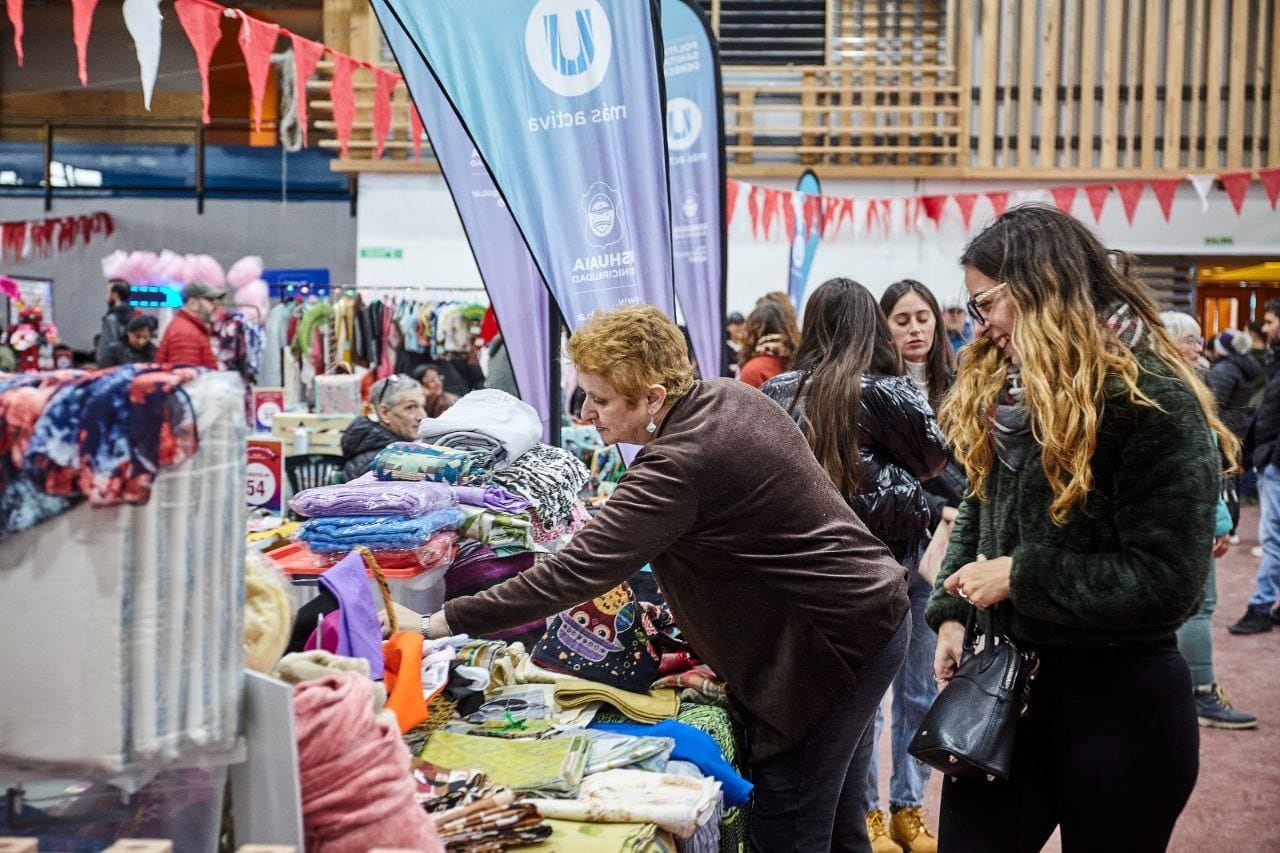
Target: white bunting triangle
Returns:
[[142, 18], [1203, 183]]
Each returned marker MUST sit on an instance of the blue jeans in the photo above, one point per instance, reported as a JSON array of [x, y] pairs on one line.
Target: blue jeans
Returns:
[[913, 692], [1267, 591]]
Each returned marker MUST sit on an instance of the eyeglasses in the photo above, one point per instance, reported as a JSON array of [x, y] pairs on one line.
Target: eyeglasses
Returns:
[[974, 305], [386, 386]]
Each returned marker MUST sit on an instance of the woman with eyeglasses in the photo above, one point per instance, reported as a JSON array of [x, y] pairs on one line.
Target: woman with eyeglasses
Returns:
[[1088, 441], [399, 405]]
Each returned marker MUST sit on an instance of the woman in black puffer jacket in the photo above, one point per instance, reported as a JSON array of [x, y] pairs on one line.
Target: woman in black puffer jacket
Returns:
[[1234, 377], [873, 432]]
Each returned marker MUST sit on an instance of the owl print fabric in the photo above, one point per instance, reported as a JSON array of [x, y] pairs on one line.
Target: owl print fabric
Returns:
[[605, 640]]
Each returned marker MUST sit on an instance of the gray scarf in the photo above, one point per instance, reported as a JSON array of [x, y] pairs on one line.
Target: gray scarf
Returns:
[[1012, 421]]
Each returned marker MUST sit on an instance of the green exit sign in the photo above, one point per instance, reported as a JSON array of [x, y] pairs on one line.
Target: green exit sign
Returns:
[[1219, 241], [383, 252]]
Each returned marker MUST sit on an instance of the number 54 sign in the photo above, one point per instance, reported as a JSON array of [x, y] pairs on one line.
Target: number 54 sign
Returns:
[[264, 480]]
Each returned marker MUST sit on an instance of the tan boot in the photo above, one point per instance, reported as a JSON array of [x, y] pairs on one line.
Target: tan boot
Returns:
[[907, 828], [879, 835]]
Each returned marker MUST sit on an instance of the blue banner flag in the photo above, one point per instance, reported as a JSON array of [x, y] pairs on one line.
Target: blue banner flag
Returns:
[[695, 157], [563, 102], [805, 236], [516, 289]]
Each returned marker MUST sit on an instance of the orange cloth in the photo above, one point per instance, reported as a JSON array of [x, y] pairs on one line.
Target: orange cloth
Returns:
[[402, 676]]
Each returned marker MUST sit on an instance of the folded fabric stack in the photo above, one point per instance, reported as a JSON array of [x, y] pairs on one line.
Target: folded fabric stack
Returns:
[[372, 497], [550, 479], [377, 532], [473, 814], [653, 707], [404, 460], [486, 420], [103, 435], [675, 803], [493, 498], [548, 768], [505, 533]]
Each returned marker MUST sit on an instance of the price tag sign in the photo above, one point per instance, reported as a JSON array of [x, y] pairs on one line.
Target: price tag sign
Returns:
[[267, 403], [264, 476]]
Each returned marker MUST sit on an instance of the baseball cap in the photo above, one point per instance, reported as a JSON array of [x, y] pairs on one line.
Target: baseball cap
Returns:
[[199, 289], [954, 303]]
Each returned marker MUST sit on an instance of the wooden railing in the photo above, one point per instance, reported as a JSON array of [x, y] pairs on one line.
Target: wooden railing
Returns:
[[1035, 89]]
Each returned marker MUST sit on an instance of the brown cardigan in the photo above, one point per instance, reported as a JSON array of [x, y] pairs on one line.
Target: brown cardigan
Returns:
[[773, 579]]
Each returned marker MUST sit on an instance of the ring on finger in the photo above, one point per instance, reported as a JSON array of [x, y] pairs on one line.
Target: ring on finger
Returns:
[[963, 594]]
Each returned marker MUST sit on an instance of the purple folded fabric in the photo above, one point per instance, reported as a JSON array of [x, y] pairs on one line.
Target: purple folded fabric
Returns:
[[479, 569], [493, 498], [393, 497]]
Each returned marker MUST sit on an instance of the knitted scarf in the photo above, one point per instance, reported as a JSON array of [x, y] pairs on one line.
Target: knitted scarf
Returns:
[[1012, 421]]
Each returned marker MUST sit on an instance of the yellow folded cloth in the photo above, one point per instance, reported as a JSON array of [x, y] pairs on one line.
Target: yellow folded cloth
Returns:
[[652, 707], [569, 836]]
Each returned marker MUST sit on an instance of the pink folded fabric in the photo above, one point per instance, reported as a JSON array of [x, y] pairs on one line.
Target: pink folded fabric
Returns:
[[357, 793]]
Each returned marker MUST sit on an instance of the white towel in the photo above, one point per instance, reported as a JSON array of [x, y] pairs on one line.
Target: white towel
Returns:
[[490, 412]]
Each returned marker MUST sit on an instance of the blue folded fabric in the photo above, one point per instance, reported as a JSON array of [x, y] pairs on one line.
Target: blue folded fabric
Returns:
[[695, 746], [378, 532]]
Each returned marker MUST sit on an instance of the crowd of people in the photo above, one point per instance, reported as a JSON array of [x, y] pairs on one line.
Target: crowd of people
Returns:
[[1076, 458]]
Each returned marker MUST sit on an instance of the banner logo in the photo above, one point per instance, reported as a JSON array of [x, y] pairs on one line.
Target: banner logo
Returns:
[[684, 123], [569, 45], [604, 214], [689, 207]]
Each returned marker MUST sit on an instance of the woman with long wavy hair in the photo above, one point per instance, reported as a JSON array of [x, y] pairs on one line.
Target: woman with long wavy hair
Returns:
[[1088, 443], [875, 436]]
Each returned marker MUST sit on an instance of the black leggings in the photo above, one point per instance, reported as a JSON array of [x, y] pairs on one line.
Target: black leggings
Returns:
[[1110, 751]]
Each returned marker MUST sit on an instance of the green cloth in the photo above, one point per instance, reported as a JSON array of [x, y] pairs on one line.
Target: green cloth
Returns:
[[319, 314], [497, 529], [1127, 568], [544, 768], [569, 836]]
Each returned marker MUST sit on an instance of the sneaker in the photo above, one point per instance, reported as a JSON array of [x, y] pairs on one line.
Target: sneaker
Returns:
[[1256, 620], [1215, 712], [1256, 551], [908, 830], [1234, 539], [1275, 616], [879, 835]]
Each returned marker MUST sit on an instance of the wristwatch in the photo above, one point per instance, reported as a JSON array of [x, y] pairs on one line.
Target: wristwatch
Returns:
[[424, 626]]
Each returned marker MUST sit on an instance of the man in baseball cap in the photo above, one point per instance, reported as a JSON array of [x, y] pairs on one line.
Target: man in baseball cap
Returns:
[[187, 339], [955, 317]]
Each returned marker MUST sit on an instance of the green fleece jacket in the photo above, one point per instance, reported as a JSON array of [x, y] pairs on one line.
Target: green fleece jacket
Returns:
[[1128, 568]]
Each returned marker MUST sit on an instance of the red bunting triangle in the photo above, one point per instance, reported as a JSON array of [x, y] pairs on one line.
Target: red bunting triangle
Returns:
[[933, 205], [966, 201], [886, 223], [81, 25], [1271, 181], [910, 214], [344, 99], [415, 130], [1064, 198], [1236, 184], [1130, 193], [846, 211], [812, 214], [13, 239], [202, 23], [730, 201], [788, 208], [1164, 190], [1097, 194], [999, 202], [830, 210], [15, 18], [306, 56], [753, 208], [384, 83], [257, 40], [769, 212]]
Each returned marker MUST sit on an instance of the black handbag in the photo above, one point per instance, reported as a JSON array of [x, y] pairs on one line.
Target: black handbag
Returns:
[[969, 731]]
